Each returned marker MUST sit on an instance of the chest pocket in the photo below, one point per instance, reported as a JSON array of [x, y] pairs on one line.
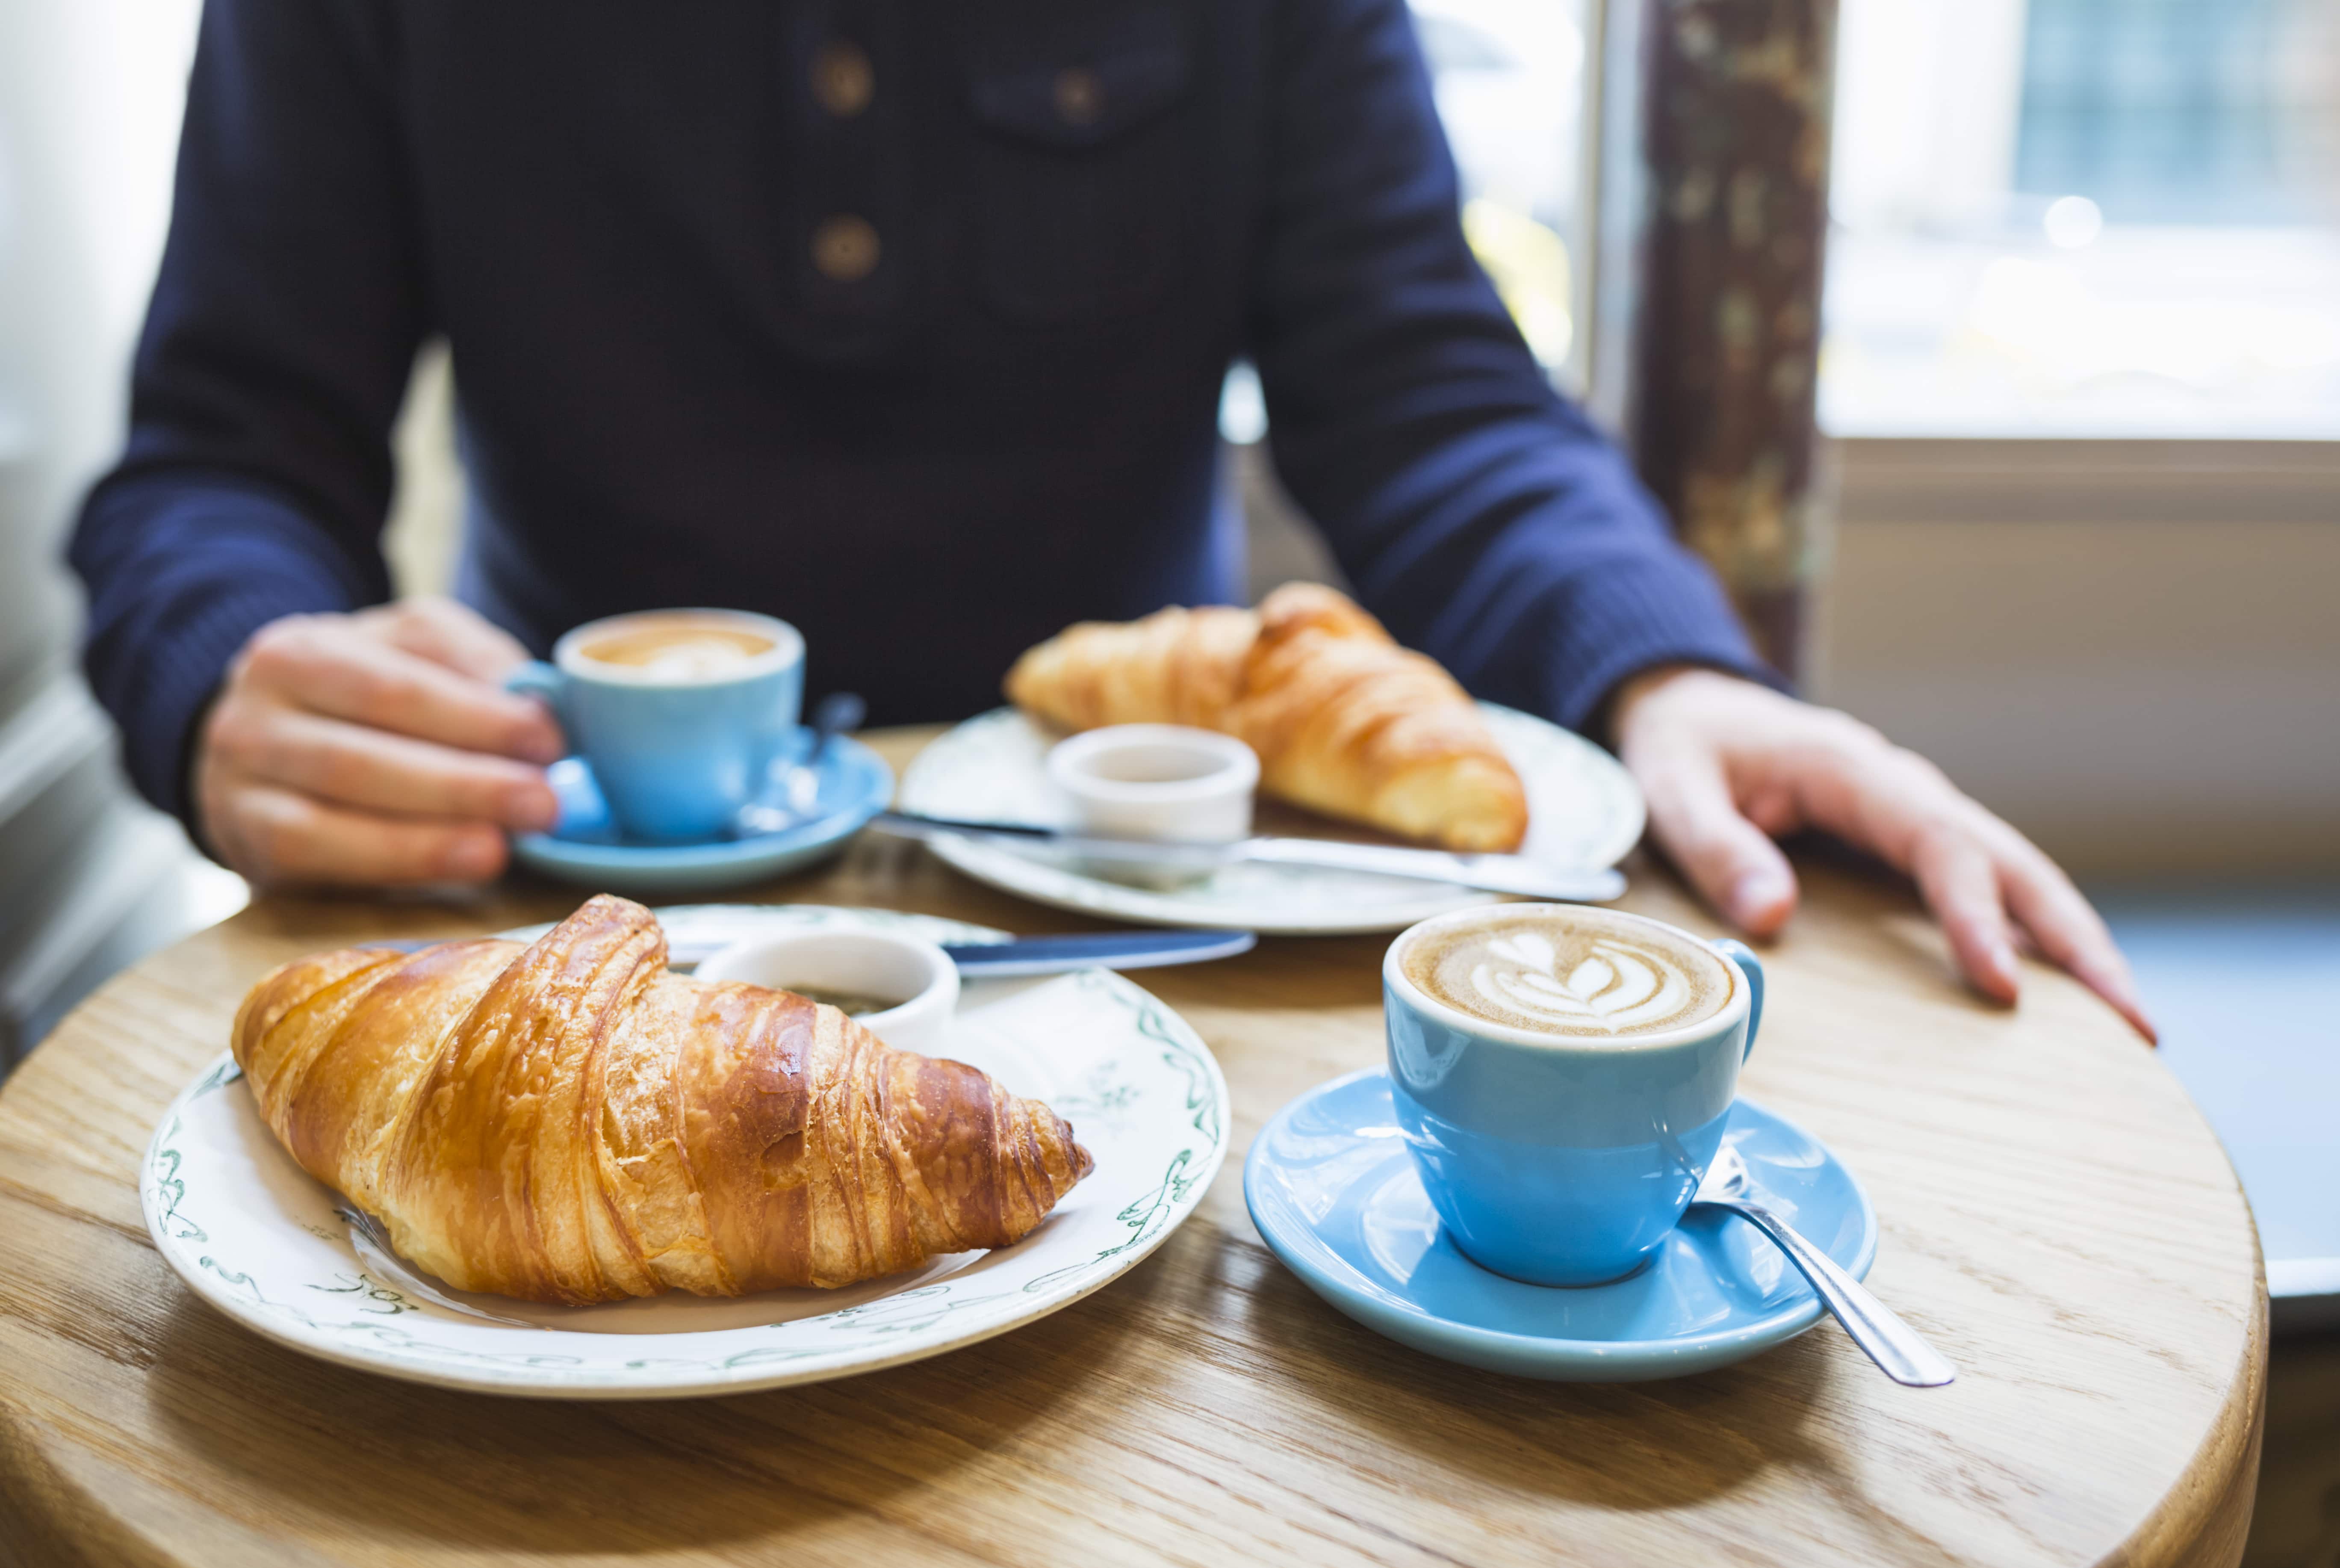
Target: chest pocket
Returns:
[[1084, 167]]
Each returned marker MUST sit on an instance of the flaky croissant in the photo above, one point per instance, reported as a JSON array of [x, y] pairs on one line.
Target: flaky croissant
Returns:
[[1344, 720], [568, 1122]]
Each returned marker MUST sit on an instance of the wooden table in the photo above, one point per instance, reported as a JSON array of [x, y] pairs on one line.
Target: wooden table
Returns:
[[2056, 1216]]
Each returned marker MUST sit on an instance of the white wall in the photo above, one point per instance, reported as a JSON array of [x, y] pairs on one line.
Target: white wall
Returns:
[[2131, 650], [91, 93], [1926, 100]]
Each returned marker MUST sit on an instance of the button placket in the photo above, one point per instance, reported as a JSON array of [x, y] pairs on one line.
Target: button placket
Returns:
[[1083, 164], [1079, 96], [851, 172], [843, 80], [845, 248]]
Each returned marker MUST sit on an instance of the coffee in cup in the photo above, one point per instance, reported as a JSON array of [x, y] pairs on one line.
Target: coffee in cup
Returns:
[[680, 713], [1561, 1075], [1571, 974], [682, 650]]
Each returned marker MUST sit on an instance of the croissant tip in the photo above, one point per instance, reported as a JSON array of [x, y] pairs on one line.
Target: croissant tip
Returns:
[[1069, 1156]]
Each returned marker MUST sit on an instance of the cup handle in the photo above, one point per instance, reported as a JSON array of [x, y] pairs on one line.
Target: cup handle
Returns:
[[540, 680], [1752, 968]]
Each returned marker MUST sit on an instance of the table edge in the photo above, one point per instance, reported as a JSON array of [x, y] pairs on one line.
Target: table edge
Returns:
[[2205, 1517]]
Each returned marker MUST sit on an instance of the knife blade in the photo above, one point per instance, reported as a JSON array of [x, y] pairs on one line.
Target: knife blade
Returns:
[[1516, 874], [1000, 960], [1096, 950]]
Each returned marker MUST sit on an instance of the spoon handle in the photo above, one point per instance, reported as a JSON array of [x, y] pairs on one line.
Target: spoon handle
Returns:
[[1896, 1348]]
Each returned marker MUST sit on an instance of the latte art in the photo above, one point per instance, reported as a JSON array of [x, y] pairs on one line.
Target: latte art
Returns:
[[1615, 989], [679, 651], [1582, 974], [692, 658]]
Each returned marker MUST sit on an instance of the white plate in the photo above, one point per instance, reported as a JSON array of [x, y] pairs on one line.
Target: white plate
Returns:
[[277, 1251], [1584, 813], [718, 925]]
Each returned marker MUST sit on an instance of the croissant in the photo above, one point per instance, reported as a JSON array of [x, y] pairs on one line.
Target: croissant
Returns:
[[1344, 720], [568, 1122]]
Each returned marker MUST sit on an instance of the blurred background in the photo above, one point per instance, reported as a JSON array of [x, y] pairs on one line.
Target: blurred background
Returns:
[[2072, 529]]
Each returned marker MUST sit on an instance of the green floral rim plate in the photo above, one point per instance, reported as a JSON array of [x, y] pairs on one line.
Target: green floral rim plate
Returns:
[[285, 1256], [1584, 812]]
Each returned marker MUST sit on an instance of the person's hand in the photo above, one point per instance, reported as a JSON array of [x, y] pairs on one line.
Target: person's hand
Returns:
[[374, 749], [1727, 765]]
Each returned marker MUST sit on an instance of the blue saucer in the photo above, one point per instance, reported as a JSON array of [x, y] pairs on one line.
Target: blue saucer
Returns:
[[587, 848], [1332, 1191]]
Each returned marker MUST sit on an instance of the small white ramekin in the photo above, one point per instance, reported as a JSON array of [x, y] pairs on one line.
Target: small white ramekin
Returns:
[[869, 963], [1163, 781], [1157, 781]]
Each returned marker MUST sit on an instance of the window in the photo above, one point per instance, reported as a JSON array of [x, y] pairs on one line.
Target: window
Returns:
[[1509, 77], [2166, 112], [1510, 84], [2085, 218]]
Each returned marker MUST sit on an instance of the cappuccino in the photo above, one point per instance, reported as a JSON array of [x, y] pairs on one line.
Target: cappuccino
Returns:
[[1581, 973], [677, 651]]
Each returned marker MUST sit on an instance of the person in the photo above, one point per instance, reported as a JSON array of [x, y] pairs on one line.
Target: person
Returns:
[[906, 323]]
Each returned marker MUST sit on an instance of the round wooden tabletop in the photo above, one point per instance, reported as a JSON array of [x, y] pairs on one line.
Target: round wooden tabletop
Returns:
[[2055, 1215]]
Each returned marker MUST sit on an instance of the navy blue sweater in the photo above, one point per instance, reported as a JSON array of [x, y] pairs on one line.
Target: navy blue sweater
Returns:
[[904, 321]]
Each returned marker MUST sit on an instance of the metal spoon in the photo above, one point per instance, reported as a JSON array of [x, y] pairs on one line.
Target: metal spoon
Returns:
[[836, 713], [1893, 1345], [799, 783]]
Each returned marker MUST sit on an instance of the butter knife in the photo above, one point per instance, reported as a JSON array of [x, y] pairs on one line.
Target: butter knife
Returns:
[[1516, 874], [1001, 961]]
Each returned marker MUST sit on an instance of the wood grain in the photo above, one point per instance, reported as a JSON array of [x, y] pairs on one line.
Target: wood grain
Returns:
[[2056, 1216]]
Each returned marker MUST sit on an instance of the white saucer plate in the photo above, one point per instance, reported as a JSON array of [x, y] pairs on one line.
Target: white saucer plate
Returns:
[[283, 1255], [1584, 813]]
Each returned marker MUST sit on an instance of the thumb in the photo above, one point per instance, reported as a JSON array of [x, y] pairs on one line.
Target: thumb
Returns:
[[1731, 862]]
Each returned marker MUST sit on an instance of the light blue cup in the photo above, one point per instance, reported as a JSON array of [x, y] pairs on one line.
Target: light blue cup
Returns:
[[1558, 1159], [675, 758]]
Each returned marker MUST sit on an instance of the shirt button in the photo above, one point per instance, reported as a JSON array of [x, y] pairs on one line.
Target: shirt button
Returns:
[[1080, 97], [845, 248], [842, 79]]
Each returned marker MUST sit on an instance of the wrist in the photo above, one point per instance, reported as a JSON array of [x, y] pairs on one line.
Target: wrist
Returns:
[[1670, 696], [1612, 719]]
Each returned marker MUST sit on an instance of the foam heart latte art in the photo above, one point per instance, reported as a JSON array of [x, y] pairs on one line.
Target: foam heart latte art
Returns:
[[1578, 973]]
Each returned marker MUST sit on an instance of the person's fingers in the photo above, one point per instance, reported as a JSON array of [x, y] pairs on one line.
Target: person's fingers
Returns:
[[1900, 805], [374, 769], [1773, 806], [1852, 781], [278, 836], [1902, 808], [2070, 934], [1728, 859], [1960, 882], [1796, 766], [453, 634], [332, 670]]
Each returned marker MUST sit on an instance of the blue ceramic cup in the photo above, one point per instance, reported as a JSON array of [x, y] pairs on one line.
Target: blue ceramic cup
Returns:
[[681, 737], [1562, 1158]]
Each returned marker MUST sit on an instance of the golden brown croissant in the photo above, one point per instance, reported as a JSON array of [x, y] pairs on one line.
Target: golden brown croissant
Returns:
[[568, 1122], [1344, 720]]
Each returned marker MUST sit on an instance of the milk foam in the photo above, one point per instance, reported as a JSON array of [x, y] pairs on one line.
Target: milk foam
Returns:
[[1614, 988], [698, 661], [1571, 979], [676, 652]]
